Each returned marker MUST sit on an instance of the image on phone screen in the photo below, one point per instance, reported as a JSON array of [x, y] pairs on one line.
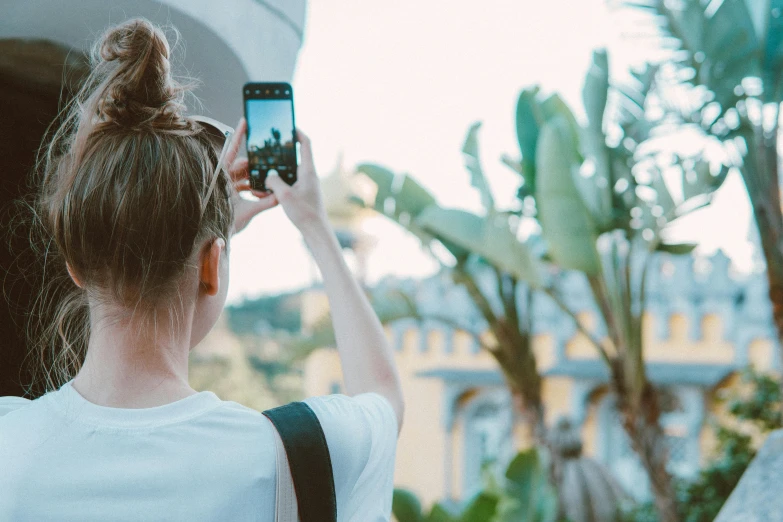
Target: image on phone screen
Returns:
[[271, 140]]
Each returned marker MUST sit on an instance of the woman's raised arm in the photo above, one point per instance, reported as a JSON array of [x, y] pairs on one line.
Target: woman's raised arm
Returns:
[[365, 352]]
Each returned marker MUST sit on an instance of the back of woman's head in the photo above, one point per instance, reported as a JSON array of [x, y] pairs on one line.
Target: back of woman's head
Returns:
[[123, 186]]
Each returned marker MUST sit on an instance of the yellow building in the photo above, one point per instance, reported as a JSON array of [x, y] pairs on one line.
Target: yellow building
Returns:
[[702, 325]]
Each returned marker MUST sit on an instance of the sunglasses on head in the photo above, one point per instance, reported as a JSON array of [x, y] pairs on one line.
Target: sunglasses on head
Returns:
[[219, 131]]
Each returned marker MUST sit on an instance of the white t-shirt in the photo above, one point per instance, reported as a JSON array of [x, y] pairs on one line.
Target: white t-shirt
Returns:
[[197, 459]]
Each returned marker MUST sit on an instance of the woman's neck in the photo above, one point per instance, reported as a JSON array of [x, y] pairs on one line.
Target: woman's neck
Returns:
[[133, 365]]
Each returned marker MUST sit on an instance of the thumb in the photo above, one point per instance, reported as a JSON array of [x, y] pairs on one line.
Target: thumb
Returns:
[[278, 186]]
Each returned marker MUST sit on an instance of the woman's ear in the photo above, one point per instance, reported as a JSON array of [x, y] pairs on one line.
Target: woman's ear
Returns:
[[73, 275], [209, 274]]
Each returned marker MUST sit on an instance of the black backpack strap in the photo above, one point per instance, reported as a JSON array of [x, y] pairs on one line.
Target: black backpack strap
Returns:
[[309, 460]]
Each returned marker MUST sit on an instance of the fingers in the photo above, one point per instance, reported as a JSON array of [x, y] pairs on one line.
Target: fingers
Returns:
[[239, 170], [246, 210], [264, 203], [280, 188], [306, 150], [236, 142]]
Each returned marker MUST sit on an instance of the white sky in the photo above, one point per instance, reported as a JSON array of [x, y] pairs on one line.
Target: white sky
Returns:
[[399, 83]]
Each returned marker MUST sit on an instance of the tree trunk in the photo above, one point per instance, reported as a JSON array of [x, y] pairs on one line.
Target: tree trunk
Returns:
[[515, 357], [533, 416], [648, 441], [776, 299], [514, 354], [770, 224], [760, 174]]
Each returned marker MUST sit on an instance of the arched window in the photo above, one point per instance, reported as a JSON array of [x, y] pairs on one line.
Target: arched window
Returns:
[[681, 422], [488, 423]]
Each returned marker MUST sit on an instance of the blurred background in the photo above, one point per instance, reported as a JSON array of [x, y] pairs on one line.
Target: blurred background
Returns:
[[567, 215]]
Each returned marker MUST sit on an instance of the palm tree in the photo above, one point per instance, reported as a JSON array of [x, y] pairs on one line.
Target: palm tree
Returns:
[[727, 63], [478, 245], [607, 223]]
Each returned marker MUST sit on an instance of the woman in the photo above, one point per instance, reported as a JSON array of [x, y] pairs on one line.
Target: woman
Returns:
[[133, 201]]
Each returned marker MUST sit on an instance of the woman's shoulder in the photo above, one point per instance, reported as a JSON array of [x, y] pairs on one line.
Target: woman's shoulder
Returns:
[[367, 408], [356, 427], [361, 433], [11, 403]]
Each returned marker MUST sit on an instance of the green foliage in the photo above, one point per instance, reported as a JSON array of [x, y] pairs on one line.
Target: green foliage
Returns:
[[725, 66], [471, 152], [700, 500], [407, 508], [403, 199], [533, 113], [275, 312], [527, 494], [594, 95], [270, 369], [721, 45], [481, 507], [528, 121], [759, 403], [388, 306], [397, 194], [491, 236], [583, 190], [566, 223], [524, 495], [491, 239]]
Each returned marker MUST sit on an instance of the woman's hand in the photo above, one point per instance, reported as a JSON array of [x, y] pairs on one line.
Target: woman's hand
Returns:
[[302, 201], [244, 209]]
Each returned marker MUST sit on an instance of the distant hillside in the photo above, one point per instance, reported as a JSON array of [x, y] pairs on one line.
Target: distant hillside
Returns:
[[266, 313]]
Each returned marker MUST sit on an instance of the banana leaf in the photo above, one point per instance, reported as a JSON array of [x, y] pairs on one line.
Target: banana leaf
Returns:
[[490, 238], [554, 106], [724, 41], [731, 41], [470, 150], [566, 223], [530, 497], [402, 199], [594, 96], [528, 121], [772, 61], [408, 195]]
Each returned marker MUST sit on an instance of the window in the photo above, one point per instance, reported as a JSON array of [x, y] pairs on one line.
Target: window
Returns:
[[488, 436]]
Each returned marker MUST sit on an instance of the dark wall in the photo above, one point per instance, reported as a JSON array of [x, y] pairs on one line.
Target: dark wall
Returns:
[[33, 75]]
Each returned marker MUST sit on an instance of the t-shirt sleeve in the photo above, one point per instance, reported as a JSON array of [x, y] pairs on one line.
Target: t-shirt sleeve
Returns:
[[361, 433], [10, 403]]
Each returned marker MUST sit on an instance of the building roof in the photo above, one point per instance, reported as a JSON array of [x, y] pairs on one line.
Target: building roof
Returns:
[[462, 376], [701, 374], [707, 375]]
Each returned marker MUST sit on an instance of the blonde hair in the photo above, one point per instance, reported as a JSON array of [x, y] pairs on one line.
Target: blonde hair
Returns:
[[122, 184]]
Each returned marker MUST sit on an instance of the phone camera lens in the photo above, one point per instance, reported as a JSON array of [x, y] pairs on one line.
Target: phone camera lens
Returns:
[[257, 91], [277, 91]]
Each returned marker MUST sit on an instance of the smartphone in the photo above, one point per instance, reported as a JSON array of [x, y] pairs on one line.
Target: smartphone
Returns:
[[271, 132]]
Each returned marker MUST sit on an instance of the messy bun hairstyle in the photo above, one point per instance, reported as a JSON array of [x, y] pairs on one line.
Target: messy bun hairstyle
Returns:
[[122, 197]]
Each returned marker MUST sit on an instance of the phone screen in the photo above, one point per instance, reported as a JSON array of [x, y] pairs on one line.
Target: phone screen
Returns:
[[271, 135]]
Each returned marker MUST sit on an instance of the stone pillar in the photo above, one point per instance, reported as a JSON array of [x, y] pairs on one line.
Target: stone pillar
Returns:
[[757, 497]]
